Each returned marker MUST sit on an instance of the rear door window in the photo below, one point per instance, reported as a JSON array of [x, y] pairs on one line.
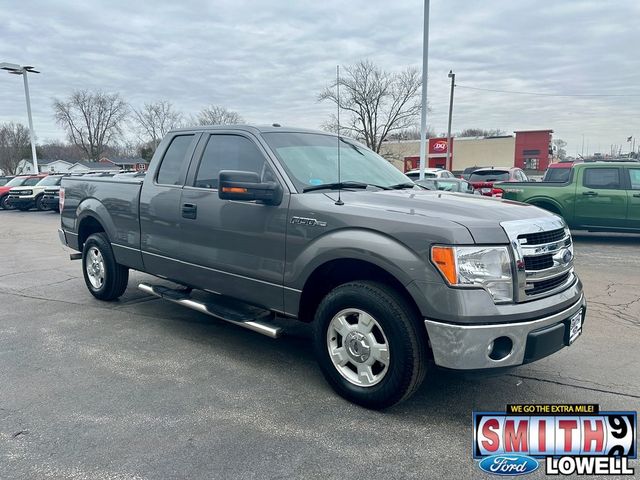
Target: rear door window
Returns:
[[602, 178], [171, 168]]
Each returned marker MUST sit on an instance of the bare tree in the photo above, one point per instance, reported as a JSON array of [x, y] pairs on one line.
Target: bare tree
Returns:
[[92, 120], [217, 115], [58, 150], [379, 102], [15, 144], [480, 132], [154, 120], [560, 145], [411, 133]]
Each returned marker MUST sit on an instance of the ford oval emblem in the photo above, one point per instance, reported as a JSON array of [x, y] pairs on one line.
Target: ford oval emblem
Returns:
[[509, 464]]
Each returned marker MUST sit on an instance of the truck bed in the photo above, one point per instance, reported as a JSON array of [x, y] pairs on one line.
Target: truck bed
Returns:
[[116, 200]]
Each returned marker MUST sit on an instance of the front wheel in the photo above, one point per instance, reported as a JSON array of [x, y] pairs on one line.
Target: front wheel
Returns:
[[369, 344], [105, 279], [39, 205]]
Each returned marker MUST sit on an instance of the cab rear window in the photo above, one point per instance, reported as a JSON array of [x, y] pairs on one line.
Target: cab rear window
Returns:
[[557, 175]]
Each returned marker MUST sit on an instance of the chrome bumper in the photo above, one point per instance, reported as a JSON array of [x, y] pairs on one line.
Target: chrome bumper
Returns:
[[466, 347]]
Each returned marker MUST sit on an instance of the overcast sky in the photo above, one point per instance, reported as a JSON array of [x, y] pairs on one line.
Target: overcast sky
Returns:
[[269, 60]]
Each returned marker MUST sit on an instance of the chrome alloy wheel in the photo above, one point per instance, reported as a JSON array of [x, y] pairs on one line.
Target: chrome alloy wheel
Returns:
[[358, 347], [95, 267]]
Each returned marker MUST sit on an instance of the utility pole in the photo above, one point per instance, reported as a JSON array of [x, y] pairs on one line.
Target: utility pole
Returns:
[[452, 76], [425, 65]]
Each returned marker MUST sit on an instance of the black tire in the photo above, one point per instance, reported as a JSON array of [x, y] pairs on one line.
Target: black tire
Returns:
[[4, 203], [404, 332], [115, 276], [39, 205]]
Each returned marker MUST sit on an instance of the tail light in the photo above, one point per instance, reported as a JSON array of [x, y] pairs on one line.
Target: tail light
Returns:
[[61, 198], [497, 192]]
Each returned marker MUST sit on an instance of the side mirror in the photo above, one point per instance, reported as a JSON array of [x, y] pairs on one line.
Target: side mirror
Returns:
[[246, 186]]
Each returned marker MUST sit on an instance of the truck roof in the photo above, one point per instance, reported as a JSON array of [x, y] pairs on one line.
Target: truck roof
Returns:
[[252, 128]]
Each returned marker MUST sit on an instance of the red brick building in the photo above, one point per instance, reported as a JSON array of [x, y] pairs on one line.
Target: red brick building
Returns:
[[533, 149]]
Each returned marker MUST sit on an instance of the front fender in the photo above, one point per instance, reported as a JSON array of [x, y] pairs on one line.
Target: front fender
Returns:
[[359, 244]]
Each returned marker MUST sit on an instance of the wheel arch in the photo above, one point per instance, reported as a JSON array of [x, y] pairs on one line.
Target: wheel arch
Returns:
[[332, 273]]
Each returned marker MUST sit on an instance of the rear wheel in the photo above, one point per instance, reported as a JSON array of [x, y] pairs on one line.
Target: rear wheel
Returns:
[[369, 344], [105, 279]]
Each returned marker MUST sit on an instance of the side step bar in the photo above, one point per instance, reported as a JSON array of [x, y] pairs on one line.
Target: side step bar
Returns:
[[226, 309]]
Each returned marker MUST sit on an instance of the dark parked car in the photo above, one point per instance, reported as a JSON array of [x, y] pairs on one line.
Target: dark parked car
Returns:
[[466, 173], [484, 178], [447, 185]]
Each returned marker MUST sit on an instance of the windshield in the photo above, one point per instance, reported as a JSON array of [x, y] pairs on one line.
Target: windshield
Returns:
[[30, 182], [16, 182], [556, 175], [312, 159], [489, 176], [49, 181]]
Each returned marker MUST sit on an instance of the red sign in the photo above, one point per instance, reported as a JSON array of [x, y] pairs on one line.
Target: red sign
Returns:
[[439, 146]]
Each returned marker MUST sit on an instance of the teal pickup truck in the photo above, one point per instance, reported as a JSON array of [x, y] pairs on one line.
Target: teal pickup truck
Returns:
[[601, 196]]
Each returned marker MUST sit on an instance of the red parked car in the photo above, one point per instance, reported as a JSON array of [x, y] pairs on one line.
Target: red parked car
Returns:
[[21, 181], [484, 178]]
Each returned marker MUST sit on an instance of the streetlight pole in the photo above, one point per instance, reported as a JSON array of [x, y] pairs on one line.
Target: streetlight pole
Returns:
[[425, 65], [19, 70], [452, 76]]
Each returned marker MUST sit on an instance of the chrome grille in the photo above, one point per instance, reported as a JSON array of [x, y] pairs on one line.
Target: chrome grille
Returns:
[[543, 252], [543, 237]]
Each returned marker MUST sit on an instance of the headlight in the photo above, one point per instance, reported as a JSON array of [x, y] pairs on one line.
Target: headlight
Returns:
[[485, 267]]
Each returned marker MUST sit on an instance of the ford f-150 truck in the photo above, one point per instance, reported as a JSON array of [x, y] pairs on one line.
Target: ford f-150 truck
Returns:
[[254, 224], [597, 196]]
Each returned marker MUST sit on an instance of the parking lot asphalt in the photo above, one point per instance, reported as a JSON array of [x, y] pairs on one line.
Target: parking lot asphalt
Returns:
[[140, 388]]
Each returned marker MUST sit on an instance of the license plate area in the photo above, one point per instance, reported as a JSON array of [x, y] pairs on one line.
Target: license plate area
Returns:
[[573, 327]]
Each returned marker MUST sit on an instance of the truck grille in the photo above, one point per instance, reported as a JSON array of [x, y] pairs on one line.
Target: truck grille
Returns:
[[547, 285], [543, 237], [543, 251], [538, 263]]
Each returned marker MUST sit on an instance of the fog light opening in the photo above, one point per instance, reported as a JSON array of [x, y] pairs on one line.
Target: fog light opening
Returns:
[[500, 348]]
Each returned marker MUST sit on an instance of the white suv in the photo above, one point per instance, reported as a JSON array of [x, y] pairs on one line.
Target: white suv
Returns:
[[429, 173]]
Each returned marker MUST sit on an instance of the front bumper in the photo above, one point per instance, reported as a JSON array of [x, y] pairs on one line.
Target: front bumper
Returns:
[[20, 202], [467, 347], [51, 203]]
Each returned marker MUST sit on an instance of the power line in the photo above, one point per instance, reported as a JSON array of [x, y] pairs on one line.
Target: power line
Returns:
[[552, 94]]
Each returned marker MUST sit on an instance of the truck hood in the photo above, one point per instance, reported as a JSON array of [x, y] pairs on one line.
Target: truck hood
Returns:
[[480, 215]]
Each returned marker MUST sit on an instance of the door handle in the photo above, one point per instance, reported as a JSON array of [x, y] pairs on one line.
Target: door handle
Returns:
[[590, 194], [637, 195], [189, 210]]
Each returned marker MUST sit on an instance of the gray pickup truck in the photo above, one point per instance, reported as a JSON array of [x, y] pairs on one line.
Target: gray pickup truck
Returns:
[[254, 224]]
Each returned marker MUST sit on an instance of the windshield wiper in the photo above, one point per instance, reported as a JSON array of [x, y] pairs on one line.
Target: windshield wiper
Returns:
[[400, 186], [337, 185]]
